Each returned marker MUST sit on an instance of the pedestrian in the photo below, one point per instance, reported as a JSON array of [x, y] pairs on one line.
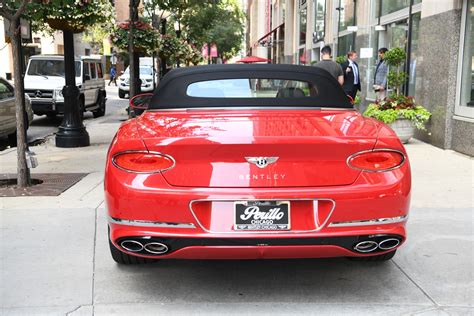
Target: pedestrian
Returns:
[[113, 59], [351, 75], [330, 66], [380, 76], [113, 76]]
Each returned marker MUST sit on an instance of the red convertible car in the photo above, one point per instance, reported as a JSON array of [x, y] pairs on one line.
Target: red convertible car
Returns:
[[254, 161]]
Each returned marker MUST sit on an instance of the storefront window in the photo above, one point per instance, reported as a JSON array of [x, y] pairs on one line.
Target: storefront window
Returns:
[[345, 44], [395, 5], [346, 14], [467, 88], [319, 24], [303, 26], [414, 54]]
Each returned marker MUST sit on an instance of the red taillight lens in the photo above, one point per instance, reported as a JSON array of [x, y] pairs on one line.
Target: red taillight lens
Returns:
[[143, 162], [376, 161]]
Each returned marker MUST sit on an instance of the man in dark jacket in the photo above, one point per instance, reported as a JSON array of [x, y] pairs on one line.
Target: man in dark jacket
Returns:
[[351, 74]]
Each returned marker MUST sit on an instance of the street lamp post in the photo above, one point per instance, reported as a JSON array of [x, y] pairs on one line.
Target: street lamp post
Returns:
[[71, 132]]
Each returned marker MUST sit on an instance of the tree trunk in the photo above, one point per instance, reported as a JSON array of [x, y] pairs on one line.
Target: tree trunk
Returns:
[[22, 168]]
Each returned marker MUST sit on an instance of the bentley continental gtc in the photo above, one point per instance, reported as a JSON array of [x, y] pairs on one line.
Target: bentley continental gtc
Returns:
[[254, 161]]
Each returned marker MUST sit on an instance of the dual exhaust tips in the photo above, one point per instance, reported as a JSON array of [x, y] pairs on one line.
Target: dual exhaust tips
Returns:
[[155, 248], [371, 245]]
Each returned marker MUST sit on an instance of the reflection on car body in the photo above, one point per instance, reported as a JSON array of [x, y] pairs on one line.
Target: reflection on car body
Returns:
[[254, 161]]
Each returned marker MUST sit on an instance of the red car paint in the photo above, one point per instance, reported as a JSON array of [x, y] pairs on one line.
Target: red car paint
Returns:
[[211, 173]]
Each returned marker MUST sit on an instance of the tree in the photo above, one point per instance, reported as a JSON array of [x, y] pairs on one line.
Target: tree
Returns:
[[13, 13]]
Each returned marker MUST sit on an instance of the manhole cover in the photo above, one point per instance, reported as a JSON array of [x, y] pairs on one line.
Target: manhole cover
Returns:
[[44, 184]]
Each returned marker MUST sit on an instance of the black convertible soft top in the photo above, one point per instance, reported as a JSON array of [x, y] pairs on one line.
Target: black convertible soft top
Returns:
[[172, 90]]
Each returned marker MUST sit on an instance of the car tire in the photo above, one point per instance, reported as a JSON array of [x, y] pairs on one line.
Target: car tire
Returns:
[[101, 103], [12, 139], [377, 258], [121, 94], [123, 258], [82, 107]]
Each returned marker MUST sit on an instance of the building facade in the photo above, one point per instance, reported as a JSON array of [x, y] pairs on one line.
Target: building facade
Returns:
[[437, 36]]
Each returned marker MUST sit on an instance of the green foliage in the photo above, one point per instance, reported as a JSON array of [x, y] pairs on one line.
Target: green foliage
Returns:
[[396, 77], [145, 38], [74, 15], [395, 57], [340, 59], [399, 107]]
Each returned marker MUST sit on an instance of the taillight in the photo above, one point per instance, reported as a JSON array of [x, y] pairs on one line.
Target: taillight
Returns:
[[143, 162], [376, 161]]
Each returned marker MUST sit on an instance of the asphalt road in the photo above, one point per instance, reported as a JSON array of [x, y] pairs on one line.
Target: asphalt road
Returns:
[[42, 126]]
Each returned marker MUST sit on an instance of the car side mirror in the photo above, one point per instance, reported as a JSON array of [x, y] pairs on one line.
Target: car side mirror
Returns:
[[87, 77], [141, 101]]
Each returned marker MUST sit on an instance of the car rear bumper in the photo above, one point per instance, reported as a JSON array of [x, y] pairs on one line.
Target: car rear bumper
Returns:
[[146, 207]]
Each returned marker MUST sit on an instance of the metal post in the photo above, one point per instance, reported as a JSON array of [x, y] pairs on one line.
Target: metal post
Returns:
[[71, 133], [163, 59], [408, 57]]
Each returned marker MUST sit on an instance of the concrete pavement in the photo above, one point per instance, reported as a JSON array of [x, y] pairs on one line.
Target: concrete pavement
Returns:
[[55, 258]]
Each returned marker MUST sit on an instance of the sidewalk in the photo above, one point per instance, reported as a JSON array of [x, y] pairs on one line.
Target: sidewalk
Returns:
[[55, 257]]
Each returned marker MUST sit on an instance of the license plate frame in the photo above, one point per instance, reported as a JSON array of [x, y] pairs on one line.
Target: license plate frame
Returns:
[[262, 215]]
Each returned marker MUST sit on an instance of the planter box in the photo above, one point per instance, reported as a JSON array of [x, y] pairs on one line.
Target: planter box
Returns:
[[404, 130]]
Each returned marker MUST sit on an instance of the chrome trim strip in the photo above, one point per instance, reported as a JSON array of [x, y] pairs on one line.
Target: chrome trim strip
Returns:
[[375, 150], [145, 152], [254, 108], [267, 231], [141, 223], [377, 221]]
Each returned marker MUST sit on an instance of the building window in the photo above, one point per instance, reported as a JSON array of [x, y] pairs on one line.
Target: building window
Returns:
[[319, 20], [466, 107], [395, 5], [303, 24], [347, 14], [345, 44], [303, 7]]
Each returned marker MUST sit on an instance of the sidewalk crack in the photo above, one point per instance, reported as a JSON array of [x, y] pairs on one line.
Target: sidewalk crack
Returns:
[[414, 283], [75, 309]]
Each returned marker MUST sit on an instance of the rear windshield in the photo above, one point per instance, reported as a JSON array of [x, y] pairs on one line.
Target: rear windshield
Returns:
[[50, 68], [236, 86], [251, 88]]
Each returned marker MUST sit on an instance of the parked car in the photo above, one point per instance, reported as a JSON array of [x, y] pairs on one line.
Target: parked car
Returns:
[[218, 167], [8, 112], [146, 76], [44, 81]]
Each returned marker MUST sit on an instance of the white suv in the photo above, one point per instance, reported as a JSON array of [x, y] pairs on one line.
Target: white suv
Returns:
[[44, 81], [146, 76]]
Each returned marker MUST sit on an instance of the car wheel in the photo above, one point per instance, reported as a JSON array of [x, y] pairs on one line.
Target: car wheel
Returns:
[[123, 258], [385, 257], [82, 108], [101, 110], [12, 139], [121, 94]]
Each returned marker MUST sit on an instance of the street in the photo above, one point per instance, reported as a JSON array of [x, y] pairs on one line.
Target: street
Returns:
[[56, 261]]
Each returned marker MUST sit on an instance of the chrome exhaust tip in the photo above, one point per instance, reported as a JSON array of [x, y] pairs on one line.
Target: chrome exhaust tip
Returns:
[[131, 245], [366, 246], [156, 248], [389, 243]]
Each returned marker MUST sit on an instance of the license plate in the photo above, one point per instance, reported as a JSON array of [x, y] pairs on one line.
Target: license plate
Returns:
[[262, 215]]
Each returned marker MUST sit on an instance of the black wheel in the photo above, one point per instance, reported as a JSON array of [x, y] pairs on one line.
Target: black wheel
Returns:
[[101, 103], [82, 107], [12, 139], [121, 94], [123, 258], [377, 258]]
